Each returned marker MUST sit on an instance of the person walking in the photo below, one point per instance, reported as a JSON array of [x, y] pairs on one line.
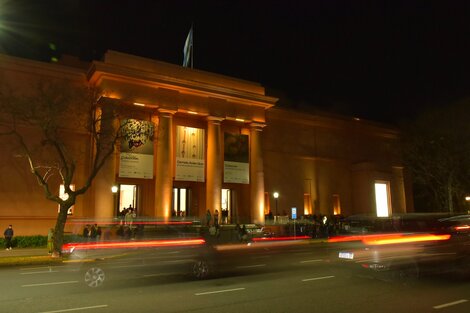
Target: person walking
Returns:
[[208, 218], [216, 218], [50, 241], [8, 233]]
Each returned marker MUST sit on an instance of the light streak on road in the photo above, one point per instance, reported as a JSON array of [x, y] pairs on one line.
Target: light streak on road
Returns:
[[218, 291], [445, 305], [78, 309], [318, 278], [51, 284], [311, 261]]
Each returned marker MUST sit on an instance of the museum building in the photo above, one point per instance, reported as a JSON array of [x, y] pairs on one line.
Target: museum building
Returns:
[[197, 141]]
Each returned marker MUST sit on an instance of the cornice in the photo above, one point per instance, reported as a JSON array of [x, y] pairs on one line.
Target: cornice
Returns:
[[40, 68], [100, 70]]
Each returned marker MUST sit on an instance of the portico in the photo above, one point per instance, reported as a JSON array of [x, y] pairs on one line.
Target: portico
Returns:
[[171, 97]]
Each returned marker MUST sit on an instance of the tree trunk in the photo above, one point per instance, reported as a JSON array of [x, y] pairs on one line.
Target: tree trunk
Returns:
[[59, 227], [449, 196]]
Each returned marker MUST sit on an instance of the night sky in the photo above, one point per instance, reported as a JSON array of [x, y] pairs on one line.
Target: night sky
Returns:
[[380, 60]]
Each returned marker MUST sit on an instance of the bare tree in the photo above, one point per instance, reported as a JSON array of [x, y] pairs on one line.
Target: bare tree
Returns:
[[53, 123], [437, 151]]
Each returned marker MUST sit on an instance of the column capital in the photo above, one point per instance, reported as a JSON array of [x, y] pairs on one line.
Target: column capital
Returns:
[[257, 126], [166, 112], [215, 119]]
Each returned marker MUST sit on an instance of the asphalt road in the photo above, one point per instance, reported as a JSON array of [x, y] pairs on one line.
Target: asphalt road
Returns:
[[300, 279]]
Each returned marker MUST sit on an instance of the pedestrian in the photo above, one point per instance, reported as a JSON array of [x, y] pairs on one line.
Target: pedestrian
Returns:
[[238, 229], [50, 240], [208, 218], [244, 234], [87, 232], [8, 233], [92, 233], [216, 218], [129, 218], [98, 232]]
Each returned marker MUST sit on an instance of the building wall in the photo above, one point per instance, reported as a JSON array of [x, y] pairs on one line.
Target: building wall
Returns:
[[325, 155], [308, 158]]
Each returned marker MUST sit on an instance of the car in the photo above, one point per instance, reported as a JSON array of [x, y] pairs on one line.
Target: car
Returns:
[[406, 247], [162, 248], [143, 248]]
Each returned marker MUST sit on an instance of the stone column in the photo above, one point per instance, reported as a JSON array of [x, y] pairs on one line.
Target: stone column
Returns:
[[256, 174], [214, 164], [104, 199], [398, 190], [164, 165]]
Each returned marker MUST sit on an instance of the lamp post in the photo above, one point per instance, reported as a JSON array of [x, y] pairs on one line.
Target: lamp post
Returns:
[[276, 195], [114, 190], [467, 199]]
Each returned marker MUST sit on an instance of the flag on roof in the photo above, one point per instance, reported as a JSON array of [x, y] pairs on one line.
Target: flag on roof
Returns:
[[188, 49]]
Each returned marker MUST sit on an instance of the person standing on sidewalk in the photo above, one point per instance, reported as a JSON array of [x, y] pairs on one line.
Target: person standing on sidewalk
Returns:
[[50, 241], [8, 233]]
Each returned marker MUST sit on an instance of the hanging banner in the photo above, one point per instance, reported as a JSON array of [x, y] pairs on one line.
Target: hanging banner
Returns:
[[189, 154], [236, 159], [136, 155]]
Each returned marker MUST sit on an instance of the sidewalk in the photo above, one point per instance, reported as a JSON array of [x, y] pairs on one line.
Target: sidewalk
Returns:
[[23, 252], [26, 256]]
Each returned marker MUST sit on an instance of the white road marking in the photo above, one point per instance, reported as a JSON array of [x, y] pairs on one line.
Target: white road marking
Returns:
[[128, 266], [78, 309], [50, 284], [39, 268], [310, 261], [41, 272], [217, 291], [445, 305], [318, 278], [250, 266]]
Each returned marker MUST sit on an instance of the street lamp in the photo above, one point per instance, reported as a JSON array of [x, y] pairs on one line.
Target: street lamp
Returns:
[[276, 195], [114, 190]]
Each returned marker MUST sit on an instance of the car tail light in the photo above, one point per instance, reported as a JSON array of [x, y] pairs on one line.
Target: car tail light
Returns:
[[70, 247], [401, 238], [462, 227]]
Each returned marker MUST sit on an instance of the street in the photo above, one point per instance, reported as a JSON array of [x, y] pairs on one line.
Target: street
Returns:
[[301, 279]]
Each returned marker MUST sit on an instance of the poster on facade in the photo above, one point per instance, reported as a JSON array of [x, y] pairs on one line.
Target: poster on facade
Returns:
[[236, 159], [136, 155], [189, 154]]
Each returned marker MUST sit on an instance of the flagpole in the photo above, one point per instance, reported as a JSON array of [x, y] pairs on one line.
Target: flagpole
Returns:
[[192, 46]]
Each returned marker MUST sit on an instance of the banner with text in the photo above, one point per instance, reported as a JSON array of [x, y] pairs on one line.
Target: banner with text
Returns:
[[236, 158], [136, 154], [190, 154]]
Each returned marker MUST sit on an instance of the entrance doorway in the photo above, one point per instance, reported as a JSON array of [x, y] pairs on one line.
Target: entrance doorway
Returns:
[[181, 200], [128, 196], [226, 206]]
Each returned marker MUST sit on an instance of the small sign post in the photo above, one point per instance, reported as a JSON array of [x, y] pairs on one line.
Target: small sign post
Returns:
[[294, 217]]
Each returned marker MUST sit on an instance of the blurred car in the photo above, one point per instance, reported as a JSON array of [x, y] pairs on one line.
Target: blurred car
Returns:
[[144, 248], [157, 248], [407, 246]]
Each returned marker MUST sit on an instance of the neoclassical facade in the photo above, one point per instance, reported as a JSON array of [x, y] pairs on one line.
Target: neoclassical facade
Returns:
[[198, 142]]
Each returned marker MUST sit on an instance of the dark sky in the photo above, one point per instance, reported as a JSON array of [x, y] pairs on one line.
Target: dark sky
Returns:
[[382, 60]]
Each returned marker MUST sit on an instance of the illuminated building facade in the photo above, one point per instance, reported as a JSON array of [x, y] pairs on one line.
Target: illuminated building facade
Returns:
[[197, 141]]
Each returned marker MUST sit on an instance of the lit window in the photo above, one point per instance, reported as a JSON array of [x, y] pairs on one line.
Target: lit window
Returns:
[[382, 199], [336, 205]]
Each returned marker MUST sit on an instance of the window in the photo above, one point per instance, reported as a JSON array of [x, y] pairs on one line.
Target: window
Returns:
[[336, 205], [308, 204], [382, 198]]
